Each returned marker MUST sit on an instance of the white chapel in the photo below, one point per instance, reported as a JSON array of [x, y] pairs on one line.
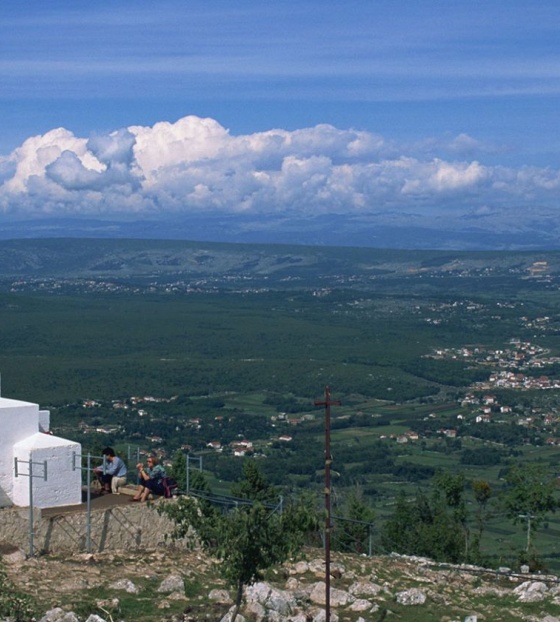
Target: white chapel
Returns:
[[27, 446]]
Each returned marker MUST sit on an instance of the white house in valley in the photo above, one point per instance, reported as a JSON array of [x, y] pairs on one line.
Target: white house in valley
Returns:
[[25, 438]]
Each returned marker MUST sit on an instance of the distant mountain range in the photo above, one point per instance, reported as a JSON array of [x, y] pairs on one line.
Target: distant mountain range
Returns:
[[369, 231], [169, 260]]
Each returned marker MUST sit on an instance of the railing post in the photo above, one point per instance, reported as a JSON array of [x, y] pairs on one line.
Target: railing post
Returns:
[[29, 474]]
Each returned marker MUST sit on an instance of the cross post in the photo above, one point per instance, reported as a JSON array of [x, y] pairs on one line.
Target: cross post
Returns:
[[327, 403]]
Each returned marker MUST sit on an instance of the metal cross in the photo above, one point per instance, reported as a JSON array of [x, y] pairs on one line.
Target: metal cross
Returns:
[[327, 403]]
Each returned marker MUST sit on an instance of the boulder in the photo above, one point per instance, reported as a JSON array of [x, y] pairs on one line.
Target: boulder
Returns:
[[256, 611], [271, 598], [360, 605], [229, 614], [292, 584], [321, 616], [317, 567], [531, 591], [365, 588], [413, 596], [172, 583], [338, 598], [300, 567], [11, 554], [59, 615]]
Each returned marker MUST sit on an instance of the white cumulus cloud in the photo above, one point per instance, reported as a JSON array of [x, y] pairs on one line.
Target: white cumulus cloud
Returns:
[[197, 165]]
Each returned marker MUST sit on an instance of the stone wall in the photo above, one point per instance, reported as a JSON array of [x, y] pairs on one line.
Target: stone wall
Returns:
[[123, 527]]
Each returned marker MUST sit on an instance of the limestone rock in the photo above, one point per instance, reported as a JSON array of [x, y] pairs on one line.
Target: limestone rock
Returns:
[[229, 614], [292, 584], [368, 586], [172, 583], [531, 591], [59, 615], [360, 605], [338, 598], [317, 567], [365, 588], [321, 616], [299, 568], [256, 610], [221, 596], [271, 598], [125, 584], [11, 554], [413, 596]]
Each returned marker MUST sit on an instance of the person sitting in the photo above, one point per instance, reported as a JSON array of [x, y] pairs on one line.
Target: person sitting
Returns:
[[112, 475], [149, 479]]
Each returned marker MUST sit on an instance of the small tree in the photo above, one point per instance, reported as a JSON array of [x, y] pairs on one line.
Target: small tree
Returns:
[[398, 532], [453, 487], [247, 539], [482, 492], [198, 481], [254, 486], [529, 496], [427, 525], [179, 469], [352, 528]]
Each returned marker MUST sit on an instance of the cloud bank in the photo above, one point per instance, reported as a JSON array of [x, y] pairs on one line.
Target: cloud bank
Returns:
[[195, 166]]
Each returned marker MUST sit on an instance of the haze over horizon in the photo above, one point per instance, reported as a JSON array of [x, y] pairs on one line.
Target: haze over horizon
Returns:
[[429, 124]]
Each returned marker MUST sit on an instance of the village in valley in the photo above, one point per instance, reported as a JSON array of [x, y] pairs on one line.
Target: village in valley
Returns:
[[197, 427], [514, 367]]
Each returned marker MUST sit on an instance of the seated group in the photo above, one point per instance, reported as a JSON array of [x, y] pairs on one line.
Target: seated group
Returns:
[[112, 475]]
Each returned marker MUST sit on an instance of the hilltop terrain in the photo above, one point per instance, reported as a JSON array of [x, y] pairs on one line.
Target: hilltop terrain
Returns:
[[175, 586]]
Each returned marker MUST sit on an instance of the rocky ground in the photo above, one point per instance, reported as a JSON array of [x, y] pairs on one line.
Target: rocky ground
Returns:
[[174, 586]]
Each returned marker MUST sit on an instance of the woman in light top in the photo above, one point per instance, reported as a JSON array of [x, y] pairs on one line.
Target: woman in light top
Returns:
[[149, 479]]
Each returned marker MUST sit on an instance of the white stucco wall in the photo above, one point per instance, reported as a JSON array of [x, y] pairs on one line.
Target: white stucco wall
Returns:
[[44, 420], [63, 486], [18, 420]]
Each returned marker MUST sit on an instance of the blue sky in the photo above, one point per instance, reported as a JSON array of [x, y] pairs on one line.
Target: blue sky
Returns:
[[463, 95]]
